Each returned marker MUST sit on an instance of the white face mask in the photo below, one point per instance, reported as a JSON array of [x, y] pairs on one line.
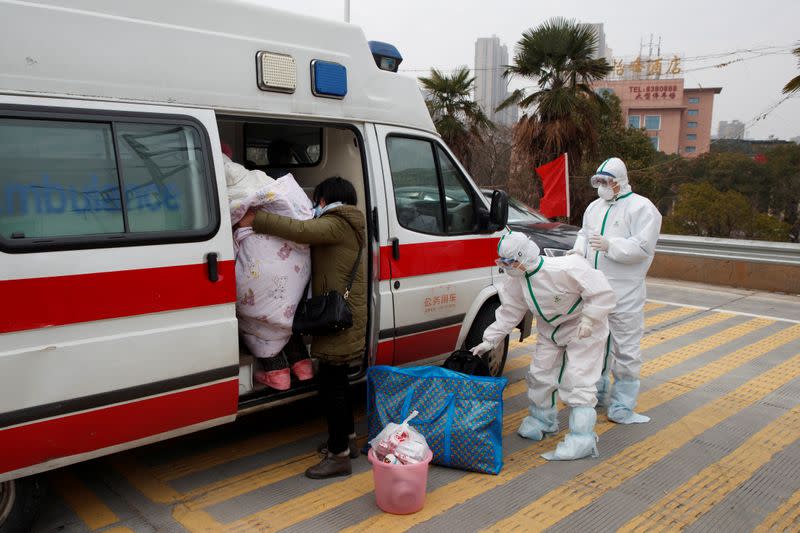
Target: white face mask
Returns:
[[605, 192], [514, 272]]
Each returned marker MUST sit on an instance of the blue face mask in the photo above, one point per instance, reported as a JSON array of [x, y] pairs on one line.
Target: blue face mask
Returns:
[[317, 211]]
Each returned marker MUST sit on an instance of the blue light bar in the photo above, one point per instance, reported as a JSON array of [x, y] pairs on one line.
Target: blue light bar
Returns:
[[328, 79], [386, 56]]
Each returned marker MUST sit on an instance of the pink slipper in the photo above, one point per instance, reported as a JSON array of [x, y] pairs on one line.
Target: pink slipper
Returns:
[[303, 369], [277, 379]]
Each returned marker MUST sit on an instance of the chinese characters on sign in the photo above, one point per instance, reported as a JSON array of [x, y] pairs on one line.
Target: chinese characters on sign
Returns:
[[439, 299], [652, 68], [654, 92]]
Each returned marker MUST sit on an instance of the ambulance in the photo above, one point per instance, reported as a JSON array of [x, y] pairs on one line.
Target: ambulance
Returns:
[[117, 292]]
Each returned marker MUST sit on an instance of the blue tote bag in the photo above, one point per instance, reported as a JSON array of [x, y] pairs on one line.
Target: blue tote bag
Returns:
[[461, 416]]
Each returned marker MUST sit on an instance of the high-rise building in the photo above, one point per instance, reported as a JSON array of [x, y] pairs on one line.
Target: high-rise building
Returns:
[[602, 49], [730, 130], [491, 88]]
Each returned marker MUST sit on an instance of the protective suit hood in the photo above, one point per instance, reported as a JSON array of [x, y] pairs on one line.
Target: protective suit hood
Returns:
[[520, 248], [615, 169]]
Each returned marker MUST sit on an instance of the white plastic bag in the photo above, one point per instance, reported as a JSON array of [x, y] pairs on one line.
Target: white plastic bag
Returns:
[[400, 443]]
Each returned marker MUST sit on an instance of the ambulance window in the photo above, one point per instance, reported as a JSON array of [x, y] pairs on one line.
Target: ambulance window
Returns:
[[58, 179], [164, 179], [458, 200], [282, 146], [416, 185]]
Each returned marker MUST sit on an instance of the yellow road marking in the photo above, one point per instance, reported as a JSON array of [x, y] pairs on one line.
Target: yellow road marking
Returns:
[[589, 486], [141, 478], [690, 351], [232, 487], [161, 492], [237, 450], [685, 504], [652, 306], [518, 362], [784, 518], [522, 461], [120, 529], [83, 501], [666, 316], [659, 337]]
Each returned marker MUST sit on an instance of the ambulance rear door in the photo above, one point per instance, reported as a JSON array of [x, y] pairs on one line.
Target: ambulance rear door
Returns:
[[117, 323], [436, 255]]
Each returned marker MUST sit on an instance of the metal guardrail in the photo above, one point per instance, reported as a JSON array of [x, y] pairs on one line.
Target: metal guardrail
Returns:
[[779, 253]]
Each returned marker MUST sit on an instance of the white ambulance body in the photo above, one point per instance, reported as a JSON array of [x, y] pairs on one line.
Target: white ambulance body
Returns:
[[117, 309]]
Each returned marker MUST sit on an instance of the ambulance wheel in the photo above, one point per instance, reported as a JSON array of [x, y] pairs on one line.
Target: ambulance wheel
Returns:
[[19, 503], [497, 357]]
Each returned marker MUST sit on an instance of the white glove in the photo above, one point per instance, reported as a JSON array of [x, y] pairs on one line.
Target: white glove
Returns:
[[599, 243], [585, 328], [573, 252], [482, 348]]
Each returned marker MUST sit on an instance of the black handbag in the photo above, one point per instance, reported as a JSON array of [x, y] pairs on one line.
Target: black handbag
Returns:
[[327, 313], [465, 362]]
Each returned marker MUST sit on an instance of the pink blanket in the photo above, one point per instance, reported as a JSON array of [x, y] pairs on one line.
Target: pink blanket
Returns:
[[271, 273]]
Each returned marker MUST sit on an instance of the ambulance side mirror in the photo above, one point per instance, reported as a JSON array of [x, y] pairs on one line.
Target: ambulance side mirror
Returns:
[[498, 215]]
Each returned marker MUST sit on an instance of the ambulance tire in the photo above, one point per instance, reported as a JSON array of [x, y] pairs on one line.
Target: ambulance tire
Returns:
[[20, 500], [485, 318]]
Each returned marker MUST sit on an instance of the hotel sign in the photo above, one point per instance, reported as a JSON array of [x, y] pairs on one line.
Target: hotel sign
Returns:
[[659, 91], [651, 68]]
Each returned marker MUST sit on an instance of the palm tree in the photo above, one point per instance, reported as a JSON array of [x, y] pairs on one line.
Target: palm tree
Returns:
[[458, 118], [559, 111], [794, 84]]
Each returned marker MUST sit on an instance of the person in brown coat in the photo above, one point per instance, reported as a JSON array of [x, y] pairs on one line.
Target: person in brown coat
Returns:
[[336, 234]]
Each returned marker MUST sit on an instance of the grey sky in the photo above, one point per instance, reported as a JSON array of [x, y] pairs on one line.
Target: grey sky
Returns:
[[442, 34]]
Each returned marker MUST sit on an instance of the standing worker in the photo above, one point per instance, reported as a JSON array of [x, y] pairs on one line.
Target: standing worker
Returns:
[[618, 237], [572, 301]]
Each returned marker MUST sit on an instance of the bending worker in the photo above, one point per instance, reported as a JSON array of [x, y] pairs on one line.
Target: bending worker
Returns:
[[618, 237], [572, 301]]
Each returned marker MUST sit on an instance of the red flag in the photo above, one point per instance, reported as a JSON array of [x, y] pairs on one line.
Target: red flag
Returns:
[[555, 178]]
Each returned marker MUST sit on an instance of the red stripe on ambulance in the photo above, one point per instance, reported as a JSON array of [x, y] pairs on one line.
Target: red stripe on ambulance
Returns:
[[420, 259], [39, 442], [428, 344], [61, 300]]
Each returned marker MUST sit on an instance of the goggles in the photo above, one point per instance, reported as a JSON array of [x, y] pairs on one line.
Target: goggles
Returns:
[[505, 262], [602, 179]]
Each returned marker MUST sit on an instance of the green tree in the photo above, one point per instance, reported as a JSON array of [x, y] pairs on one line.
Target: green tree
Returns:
[[783, 164], [458, 119], [794, 84], [558, 111], [703, 210], [616, 139]]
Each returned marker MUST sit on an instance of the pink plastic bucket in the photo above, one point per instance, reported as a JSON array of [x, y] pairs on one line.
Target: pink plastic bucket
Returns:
[[400, 489]]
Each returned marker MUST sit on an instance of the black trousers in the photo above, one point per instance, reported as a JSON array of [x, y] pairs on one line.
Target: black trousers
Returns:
[[337, 404]]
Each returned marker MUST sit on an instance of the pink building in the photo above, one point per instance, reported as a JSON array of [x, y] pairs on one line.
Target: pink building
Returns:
[[677, 120]]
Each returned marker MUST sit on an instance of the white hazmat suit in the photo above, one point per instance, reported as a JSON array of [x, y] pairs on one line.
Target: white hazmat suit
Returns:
[[618, 237], [571, 301]]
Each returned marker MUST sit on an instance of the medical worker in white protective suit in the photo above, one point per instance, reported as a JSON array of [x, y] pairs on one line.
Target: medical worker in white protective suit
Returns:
[[618, 237], [571, 301]]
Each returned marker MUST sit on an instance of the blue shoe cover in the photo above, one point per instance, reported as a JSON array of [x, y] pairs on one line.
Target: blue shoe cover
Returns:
[[623, 401], [602, 391], [581, 441], [539, 422]]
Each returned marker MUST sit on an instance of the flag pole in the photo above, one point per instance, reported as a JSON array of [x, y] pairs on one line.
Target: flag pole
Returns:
[[566, 177]]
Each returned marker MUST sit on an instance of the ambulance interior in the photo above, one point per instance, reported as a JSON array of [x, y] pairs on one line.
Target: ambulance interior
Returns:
[[318, 152]]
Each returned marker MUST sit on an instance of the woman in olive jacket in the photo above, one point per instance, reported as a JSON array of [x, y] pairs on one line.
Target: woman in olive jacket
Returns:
[[335, 234]]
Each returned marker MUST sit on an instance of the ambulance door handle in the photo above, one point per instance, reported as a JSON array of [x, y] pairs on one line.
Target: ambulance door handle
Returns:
[[213, 271], [395, 248]]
